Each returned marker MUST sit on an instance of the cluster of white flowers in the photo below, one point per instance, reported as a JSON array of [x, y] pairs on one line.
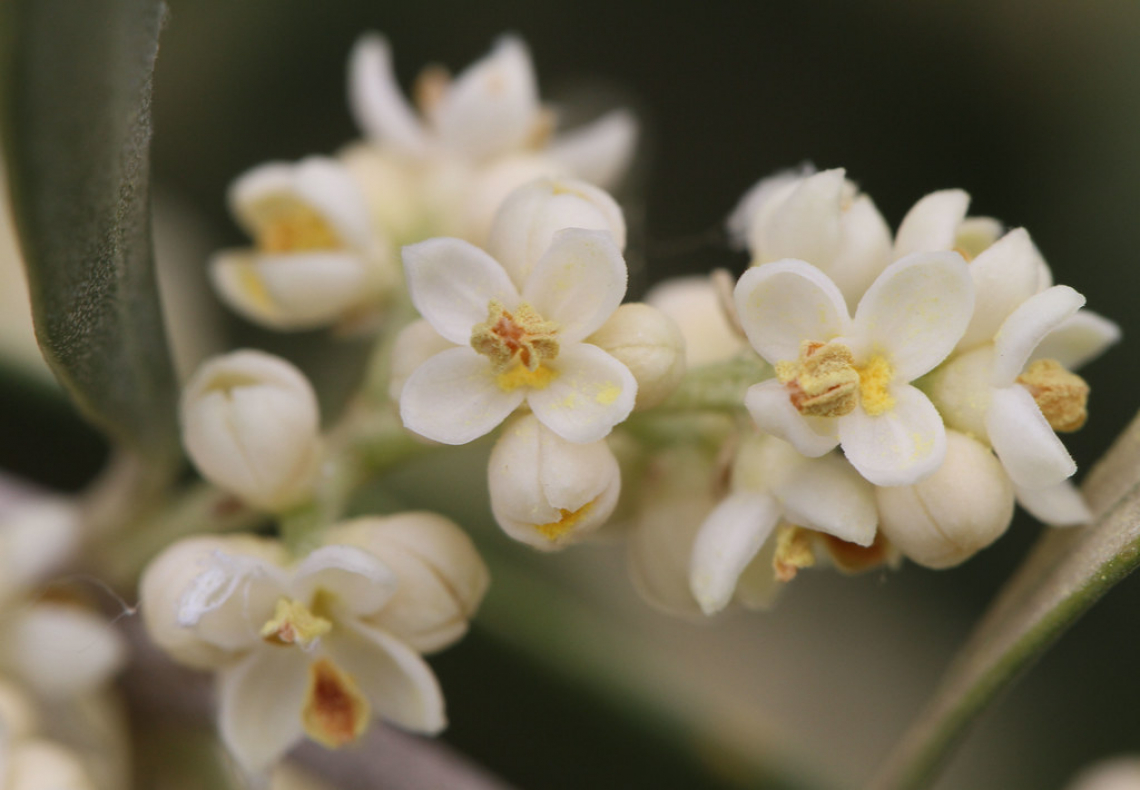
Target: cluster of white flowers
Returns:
[[901, 393]]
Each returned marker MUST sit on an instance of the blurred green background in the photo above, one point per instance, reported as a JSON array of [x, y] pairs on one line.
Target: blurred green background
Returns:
[[1032, 107]]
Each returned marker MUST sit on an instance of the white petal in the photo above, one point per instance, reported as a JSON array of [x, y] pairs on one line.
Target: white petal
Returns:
[[932, 223], [1027, 327], [784, 303], [231, 599], [1079, 339], [1004, 275], [591, 394], [600, 151], [375, 98], [452, 283], [454, 398], [745, 225], [773, 412], [728, 540], [578, 283], [61, 651], [897, 448], [1028, 448], [416, 344], [828, 495], [916, 311], [399, 684], [328, 187], [865, 249], [806, 225], [492, 106], [260, 702], [1059, 505], [359, 582]]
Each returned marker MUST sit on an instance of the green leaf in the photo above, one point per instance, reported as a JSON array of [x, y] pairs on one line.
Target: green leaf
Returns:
[[1065, 574], [77, 80]]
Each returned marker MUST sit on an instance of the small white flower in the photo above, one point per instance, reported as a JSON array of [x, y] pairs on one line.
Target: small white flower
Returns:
[[772, 482], [548, 492], [698, 311], [844, 381], [820, 218], [945, 519], [515, 345], [250, 424], [316, 259], [307, 648]]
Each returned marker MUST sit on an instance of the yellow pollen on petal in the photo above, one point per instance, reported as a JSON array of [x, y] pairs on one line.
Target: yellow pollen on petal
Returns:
[[567, 519], [287, 225], [1062, 396], [521, 376], [874, 386], [294, 624], [254, 288], [793, 552], [512, 339], [608, 394], [823, 382], [336, 713]]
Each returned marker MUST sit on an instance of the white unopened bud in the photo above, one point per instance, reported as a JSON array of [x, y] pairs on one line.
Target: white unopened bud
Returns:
[[530, 216], [441, 577], [649, 343], [485, 190], [697, 310], [36, 539], [945, 519], [43, 765], [164, 583], [250, 424], [548, 492]]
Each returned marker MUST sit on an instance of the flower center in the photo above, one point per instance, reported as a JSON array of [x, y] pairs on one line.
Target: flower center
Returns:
[[294, 624], [1062, 396], [336, 712], [517, 344], [287, 225], [824, 381]]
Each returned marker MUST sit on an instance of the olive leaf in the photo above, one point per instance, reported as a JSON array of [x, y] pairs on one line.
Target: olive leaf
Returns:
[[1065, 574], [75, 110]]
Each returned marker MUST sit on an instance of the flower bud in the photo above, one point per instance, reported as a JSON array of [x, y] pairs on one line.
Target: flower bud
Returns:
[[250, 425], [649, 343], [530, 216], [38, 764], [945, 519], [165, 581], [696, 309], [441, 577], [548, 492], [36, 539]]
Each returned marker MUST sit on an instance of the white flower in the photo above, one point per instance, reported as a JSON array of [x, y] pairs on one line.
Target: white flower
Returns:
[[489, 110], [945, 519], [250, 424], [515, 345], [772, 482], [820, 218], [844, 381], [938, 222], [316, 259], [548, 492], [698, 311], [307, 648]]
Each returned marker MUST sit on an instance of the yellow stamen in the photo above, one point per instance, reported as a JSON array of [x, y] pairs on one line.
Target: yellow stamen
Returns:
[[823, 382], [793, 552], [336, 713], [1062, 396], [567, 519], [294, 624], [287, 225], [874, 386]]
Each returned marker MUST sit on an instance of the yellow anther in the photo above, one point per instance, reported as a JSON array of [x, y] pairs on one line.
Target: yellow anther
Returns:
[[294, 624], [1062, 396], [523, 337], [793, 552], [567, 519], [284, 224], [874, 386], [336, 713], [823, 382]]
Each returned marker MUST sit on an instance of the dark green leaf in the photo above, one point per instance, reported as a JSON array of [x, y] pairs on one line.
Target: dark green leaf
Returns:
[[77, 82]]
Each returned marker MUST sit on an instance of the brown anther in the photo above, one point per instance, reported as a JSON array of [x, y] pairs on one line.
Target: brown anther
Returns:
[[523, 337], [1062, 396], [336, 712], [823, 382], [793, 552], [429, 88], [853, 558]]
